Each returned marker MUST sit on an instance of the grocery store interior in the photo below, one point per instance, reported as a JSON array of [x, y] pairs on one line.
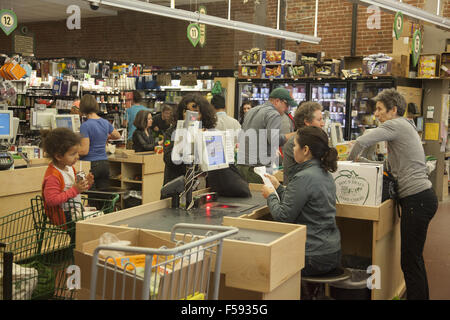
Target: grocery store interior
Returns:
[[99, 99]]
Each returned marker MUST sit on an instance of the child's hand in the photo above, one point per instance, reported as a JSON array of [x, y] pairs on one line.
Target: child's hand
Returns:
[[90, 179], [82, 185]]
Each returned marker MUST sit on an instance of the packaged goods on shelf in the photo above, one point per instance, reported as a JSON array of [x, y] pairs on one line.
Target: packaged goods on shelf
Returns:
[[428, 66], [279, 57], [445, 65], [253, 72], [252, 56], [273, 72], [377, 65], [359, 183]]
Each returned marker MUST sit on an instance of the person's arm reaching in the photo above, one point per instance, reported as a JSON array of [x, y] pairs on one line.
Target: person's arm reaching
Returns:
[[386, 132]]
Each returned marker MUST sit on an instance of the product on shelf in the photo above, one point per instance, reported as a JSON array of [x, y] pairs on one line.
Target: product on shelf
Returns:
[[252, 56], [428, 66], [279, 57]]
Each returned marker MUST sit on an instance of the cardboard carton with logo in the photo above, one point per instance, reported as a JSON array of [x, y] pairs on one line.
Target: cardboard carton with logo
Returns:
[[359, 183]]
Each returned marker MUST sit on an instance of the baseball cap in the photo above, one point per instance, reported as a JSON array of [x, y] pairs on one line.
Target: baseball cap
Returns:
[[283, 94]]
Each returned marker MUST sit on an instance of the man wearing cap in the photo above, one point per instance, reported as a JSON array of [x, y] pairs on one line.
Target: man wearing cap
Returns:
[[264, 121]]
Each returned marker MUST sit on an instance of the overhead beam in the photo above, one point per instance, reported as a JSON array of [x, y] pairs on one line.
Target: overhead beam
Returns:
[[164, 11]]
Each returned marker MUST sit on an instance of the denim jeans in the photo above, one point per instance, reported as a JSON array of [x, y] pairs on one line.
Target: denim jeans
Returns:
[[417, 212], [316, 265]]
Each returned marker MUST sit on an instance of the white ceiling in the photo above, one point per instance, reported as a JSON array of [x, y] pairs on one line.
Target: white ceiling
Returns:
[[53, 10]]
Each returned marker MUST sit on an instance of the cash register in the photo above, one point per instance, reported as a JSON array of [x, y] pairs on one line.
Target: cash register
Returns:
[[6, 135]]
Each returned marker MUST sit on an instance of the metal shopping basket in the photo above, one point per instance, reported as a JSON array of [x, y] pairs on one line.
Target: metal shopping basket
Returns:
[[41, 251], [182, 272]]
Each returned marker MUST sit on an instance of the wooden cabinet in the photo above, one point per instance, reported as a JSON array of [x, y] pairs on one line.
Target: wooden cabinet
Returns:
[[143, 171]]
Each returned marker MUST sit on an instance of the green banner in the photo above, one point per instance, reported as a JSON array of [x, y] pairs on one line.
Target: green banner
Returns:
[[398, 25], [416, 47], [202, 41], [8, 21], [193, 33]]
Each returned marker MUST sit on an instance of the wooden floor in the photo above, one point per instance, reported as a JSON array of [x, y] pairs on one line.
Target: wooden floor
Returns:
[[437, 253]]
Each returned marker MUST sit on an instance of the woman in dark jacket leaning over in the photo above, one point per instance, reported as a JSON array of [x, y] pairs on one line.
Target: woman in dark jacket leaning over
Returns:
[[142, 137], [310, 199]]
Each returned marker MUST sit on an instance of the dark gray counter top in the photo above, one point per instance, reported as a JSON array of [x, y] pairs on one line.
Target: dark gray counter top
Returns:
[[164, 219]]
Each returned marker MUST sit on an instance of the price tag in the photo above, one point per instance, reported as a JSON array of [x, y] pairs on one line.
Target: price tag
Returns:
[[8, 21], [193, 33]]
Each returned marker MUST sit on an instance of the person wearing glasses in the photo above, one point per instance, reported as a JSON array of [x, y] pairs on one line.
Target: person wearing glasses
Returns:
[[264, 121], [206, 114]]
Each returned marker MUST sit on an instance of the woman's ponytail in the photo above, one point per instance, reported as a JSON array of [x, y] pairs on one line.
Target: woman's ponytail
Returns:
[[329, 160]]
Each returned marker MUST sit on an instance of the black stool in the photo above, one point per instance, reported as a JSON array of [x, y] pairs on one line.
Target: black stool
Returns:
[[323, 280]]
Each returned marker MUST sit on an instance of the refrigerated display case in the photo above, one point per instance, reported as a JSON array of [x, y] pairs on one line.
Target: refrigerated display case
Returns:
[[332, 96], [256, 92], [362, 107], [297, 90]]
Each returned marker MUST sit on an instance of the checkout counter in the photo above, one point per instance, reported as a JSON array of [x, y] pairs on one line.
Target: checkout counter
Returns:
[[24, 182], [264, 260]]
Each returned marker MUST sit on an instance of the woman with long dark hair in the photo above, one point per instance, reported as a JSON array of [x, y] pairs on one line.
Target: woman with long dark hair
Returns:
[[207, 116], [310, 199]]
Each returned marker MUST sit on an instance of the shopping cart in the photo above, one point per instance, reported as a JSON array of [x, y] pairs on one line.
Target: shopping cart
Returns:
[[182, 272], [41, 251]]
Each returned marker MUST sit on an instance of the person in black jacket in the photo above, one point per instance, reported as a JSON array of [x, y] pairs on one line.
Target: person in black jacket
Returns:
[[207, 115], [142, 137]]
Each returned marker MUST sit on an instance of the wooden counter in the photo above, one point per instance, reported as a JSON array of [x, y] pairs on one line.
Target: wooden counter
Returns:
[[368, 232], [18, 186], [251, 268], [142, 171]]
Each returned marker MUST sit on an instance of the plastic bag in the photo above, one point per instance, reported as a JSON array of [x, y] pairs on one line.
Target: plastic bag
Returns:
[[24, 281], [111, 239]]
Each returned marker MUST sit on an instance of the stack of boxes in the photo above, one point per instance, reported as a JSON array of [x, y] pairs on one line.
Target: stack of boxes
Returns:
[[265, 64]]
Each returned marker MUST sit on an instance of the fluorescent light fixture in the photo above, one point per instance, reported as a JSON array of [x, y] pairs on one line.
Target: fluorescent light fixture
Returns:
[[410, 11], [173, 13]]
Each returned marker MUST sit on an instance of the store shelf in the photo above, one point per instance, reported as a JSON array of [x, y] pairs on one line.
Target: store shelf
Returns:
[[18, 107], [132, 181]]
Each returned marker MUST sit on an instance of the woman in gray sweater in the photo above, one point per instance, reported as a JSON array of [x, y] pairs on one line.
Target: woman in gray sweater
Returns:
[[418, 200], [310, 199]]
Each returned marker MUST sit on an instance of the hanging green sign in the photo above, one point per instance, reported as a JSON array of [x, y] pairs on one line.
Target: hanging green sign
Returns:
[[398, 25], [416, 47], [202, 41], [8, 21], [193, 33]]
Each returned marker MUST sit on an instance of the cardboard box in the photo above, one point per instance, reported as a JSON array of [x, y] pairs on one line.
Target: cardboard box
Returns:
[[413, 95], [140, 238], [273, 72], [400, 65], [353, 63], [279, 57], [252, 72], [359, 183], [382, 68], [445, 65], [429, 65], [250, 57], [402, 46], [448, 48]]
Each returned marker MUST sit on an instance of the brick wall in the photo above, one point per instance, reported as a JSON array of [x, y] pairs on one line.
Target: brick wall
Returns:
[[160, 41]]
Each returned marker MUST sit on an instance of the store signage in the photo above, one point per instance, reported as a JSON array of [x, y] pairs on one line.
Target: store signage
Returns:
[[193, 33], [23, 44], [202, 40], [74, 20], [8, 21], [398, 25], [416, 47]]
